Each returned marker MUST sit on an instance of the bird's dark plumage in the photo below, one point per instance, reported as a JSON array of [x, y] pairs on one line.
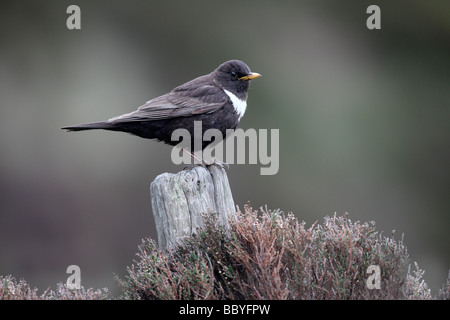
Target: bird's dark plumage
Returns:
[[217, 99]]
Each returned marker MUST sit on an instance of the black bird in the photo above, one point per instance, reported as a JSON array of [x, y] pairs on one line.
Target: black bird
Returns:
[[218, 100]]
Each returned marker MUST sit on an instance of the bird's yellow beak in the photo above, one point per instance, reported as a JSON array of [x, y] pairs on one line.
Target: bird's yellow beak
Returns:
[[250, 76]]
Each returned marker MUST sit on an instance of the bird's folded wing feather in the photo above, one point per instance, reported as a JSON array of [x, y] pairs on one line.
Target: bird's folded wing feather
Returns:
[[204, 99]]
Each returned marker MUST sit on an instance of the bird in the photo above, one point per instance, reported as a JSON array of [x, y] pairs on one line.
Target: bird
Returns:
[[217, 99]]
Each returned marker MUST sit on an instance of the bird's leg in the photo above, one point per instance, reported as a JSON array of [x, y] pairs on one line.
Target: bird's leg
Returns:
[[194, 156], [200, 161]]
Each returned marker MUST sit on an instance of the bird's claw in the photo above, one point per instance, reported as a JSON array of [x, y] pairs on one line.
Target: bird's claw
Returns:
[[218, 163], [209, 163]]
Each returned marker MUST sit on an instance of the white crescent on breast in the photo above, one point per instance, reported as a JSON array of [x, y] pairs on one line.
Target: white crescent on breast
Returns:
[[239, 105]]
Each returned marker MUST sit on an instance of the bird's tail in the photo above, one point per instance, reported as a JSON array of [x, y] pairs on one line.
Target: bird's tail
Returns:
[[90, 126]]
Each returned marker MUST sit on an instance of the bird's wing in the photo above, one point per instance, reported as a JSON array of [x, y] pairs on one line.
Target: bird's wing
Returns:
[[178, 103]]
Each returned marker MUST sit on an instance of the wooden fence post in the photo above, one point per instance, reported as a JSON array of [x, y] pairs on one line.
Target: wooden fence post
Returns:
[[179, 201]]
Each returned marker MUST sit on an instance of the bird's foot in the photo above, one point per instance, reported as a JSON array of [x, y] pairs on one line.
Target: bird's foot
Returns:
[[214, 162], [206, 163]]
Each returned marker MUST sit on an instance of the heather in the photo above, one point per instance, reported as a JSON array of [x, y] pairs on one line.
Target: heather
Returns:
[[265, 254]]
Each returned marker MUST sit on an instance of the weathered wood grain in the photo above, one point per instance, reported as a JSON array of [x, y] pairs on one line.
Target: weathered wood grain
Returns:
[[179, 201]]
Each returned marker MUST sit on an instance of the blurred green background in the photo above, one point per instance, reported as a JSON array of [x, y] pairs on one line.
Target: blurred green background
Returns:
[[363, 118]]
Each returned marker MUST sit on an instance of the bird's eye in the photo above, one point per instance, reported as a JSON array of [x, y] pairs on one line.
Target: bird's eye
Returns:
[[233, 74]]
